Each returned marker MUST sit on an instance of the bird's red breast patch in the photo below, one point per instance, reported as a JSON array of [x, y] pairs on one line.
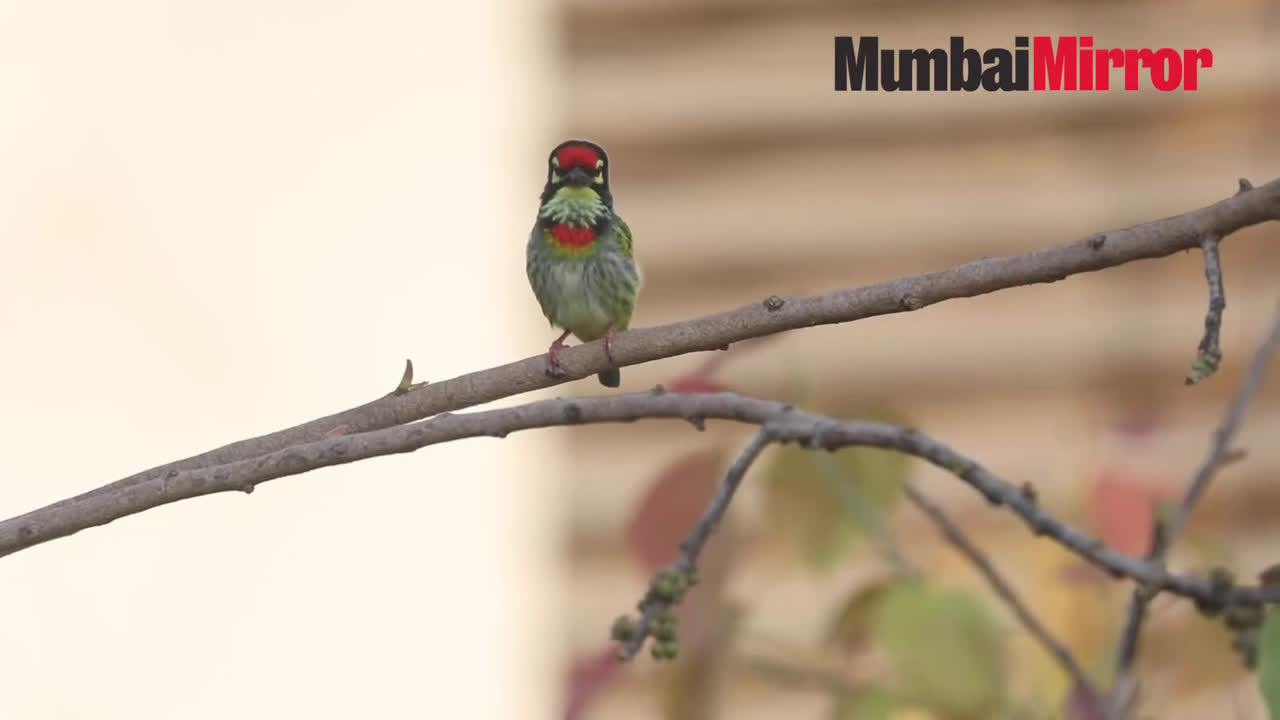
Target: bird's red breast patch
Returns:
[[572, 235], [577, 156]]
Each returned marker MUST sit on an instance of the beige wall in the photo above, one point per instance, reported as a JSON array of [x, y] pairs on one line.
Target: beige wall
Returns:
[[218, 219]]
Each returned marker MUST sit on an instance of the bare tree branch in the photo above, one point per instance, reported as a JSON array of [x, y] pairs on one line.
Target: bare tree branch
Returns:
[[786, 424], [1159, 238], [1209, 354], [1002, 588], [1219, 454]]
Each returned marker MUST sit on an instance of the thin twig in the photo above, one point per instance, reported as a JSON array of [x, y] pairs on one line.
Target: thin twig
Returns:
[[656, 604], [855, 502], [1220, 448], [1165, 532], [1158, 238], [1209, 354], [956, 537]]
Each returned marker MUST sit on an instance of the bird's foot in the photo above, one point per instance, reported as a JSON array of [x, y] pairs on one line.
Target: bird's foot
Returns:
[[608, 344], [553, 357]]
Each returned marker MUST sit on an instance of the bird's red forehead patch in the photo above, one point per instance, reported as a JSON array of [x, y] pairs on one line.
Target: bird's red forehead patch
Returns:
[[577, 156]]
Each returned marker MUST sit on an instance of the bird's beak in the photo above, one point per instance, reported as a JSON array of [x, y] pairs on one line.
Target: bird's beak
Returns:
[[577, 177]]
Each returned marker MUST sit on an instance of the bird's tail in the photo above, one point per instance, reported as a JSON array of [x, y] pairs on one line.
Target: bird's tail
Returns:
[[610, 378]]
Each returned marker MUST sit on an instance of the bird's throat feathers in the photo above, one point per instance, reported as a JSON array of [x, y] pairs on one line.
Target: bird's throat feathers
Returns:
[[581, 206], [572, 216]]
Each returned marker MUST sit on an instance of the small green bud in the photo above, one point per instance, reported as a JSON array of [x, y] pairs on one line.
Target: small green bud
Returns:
[[1242, 617], [664, 627], [665, 650], [624, 629], [670, 584], [1209, 607], [1221, 579]]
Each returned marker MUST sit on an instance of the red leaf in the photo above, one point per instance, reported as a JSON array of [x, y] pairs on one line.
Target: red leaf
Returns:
[[672, 506], [699, 378], [1122, 506], [586, 678]]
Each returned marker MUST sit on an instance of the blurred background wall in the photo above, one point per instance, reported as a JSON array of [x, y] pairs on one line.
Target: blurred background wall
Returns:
[[743, 174], [220, 219]]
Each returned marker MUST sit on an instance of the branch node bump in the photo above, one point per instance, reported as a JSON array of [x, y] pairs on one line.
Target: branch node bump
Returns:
[[773, 303], [1243, 617], [910, 302], [658, 389], [1097, 241], [1232, 456], [1030, 493], [1221, 581], [572, 413], [1245, 186]]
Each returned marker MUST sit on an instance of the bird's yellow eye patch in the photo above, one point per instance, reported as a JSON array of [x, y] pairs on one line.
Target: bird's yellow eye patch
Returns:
[[555, 161], [599, 178], [599, 164], [555, 177]]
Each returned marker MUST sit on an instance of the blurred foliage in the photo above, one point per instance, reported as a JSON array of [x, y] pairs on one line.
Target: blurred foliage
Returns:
[[824, 502], [941, 652], [945, 649], [672, 506], [1269, 664], [872, 704], [852, 627]]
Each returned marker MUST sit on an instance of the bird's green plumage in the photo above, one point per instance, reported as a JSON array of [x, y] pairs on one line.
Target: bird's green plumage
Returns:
[[586, 288]]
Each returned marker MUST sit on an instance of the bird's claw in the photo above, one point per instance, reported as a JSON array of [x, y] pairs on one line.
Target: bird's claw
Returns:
[[608, 346], [553, 359], [554, 370]]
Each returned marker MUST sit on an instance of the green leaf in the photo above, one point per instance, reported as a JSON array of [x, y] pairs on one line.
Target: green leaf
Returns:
[[871, 704], [822, 502], [944, 648], [1269, 664], [851, 628]]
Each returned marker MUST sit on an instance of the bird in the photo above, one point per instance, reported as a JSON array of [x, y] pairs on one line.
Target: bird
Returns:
[[579, 257]]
